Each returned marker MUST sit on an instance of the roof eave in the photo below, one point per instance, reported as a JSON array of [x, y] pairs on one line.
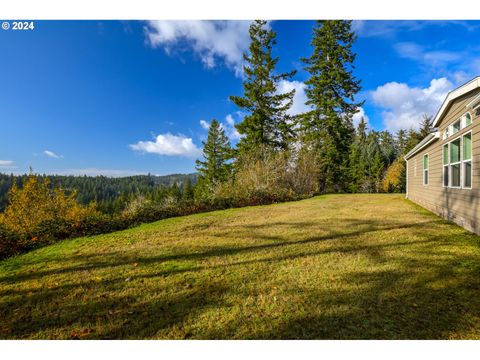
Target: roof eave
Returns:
[[436, 135], [461, 90]]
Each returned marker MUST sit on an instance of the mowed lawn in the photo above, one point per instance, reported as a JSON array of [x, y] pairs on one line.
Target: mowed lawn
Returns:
[[331, 267]]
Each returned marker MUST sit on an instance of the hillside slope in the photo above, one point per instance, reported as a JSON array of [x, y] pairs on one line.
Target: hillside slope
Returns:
[[339, 266]]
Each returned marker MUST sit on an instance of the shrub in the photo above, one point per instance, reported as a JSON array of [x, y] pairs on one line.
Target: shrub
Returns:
[[9, 243], [272, 177], [394, 180], [36, 203]]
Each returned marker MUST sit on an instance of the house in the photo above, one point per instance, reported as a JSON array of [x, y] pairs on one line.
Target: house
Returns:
[[443, 170]]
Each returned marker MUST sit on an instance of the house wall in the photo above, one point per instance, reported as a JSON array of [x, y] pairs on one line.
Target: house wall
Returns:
[[459, 205]]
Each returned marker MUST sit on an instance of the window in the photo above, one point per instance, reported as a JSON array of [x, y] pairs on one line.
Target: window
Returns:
[[456, 127], [467, 160], [425, 169], [455, 163], [445, 165], [461, 123], [467, 118]]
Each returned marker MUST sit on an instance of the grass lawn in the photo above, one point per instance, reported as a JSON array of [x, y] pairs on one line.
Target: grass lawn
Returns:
[[331, 267]]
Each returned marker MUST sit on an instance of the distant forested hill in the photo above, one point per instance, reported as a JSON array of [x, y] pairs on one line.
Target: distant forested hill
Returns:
[[111, 194]]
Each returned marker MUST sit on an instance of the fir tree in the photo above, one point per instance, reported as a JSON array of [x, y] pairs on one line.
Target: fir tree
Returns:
[[426, 126], [216, 152], [375, 163], [413, 138], [401, 142], [331, 89], [387, 147], [357, 162], [187, 193], [267, 123]]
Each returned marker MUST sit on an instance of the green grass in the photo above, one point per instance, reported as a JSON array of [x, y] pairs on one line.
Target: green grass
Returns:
[[337, 266]]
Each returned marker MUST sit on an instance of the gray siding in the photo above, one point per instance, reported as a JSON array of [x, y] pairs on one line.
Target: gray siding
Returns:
[[458, 205]]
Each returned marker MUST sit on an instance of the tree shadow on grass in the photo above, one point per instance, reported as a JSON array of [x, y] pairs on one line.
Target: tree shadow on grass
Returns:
[[110, 317], [116, 259], [390, 308], [426, 297]]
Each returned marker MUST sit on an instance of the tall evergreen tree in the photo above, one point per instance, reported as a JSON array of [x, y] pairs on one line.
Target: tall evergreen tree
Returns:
[[375, 162], [357, 163], [267, 123], [387, 146], [331, 89], [413, 138], [401, 142], [187, 193], [426, 126], [217, 153]]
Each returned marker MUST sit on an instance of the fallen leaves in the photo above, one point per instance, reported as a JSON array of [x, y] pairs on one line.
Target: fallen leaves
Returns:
[[83, 333]]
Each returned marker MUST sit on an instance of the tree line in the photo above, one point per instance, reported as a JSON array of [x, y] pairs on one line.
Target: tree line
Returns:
[[111, 195], [319, 151]]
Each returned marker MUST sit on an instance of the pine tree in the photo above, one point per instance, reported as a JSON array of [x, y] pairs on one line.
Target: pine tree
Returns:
[[401, 142], [413, 138], [426, 126], [387, 147], [216, 152], [267, 123], [357, 164], [331, 89], [376, 171], [375, 162], [187, 193]]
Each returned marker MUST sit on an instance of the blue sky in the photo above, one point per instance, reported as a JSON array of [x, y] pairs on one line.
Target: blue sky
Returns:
[[121, 98]]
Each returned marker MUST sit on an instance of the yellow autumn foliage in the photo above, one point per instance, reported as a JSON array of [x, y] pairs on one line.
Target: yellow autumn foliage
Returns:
[[35, 203], [392, 182]]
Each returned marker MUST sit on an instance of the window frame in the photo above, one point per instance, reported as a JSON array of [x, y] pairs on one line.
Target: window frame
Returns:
[[462, 175], [449, 130], [459, 122], [464, 116], [426, 170], [461, 162], [447, 165]]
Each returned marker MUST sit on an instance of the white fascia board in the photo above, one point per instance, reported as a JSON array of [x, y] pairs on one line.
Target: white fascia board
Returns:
[[474, 103], [436, 136], [452, 95]]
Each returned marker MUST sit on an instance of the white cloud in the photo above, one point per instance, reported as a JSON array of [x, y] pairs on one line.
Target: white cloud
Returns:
[[211, 40], [404, 105], [358, 116], [98, 172], [228, 126], [169, 145], [389, 28], [460, 77], [385, 28], [299, 98], [6, 163], [53, 155], [414, 51], [204, 124]]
